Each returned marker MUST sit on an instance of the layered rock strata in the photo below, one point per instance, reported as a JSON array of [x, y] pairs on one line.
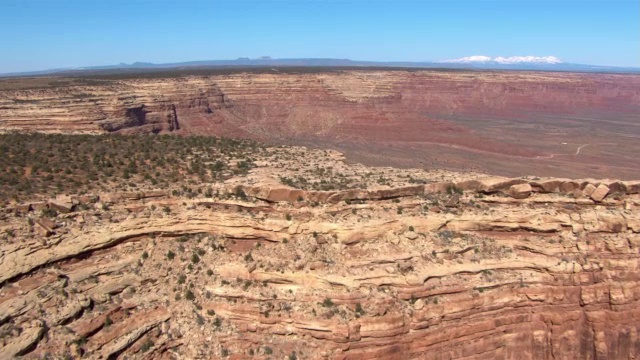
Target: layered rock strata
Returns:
[[511, 123], [473, 267]]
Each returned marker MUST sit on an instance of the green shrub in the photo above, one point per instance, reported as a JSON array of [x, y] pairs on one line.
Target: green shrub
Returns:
[[146, 346]]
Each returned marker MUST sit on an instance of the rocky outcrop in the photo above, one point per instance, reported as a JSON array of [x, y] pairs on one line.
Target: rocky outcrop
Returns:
[[277, 193], [447, 271], [599, 193], [131, 331], [520, 191], [27, 339], [517, 188], [124, 106], [392, 264]]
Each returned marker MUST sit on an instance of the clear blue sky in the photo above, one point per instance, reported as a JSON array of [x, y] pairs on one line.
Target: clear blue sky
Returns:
[[43, 34]]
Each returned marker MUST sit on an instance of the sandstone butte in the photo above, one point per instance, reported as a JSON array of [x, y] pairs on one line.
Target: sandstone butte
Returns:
[[428, 265], [506, 123]]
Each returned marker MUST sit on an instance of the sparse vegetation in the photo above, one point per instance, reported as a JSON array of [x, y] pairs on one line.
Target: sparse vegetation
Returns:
[[452, 189], [148, 344], [37, 163], [327, 302]]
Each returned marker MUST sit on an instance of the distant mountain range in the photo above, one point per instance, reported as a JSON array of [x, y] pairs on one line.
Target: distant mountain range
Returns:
[[478, 62]]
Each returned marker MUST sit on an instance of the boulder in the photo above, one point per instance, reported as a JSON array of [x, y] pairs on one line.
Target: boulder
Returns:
[[495, 184], [321, 239], [600, 193], [520, 191], [61, 206], [21, 344], [453, 201], [467, 185], [547, 185], [617, 187], [569, 187], [42, 231], [633, 187], [284, 194], [45, 226], [589, 189]]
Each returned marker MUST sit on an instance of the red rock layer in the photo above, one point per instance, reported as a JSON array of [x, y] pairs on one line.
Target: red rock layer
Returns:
[[501, 122]]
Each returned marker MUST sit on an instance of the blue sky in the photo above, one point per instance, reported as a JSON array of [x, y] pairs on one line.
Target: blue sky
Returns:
[[43, 34]]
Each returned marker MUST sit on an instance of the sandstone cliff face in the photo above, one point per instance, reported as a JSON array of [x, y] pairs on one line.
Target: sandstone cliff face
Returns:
[[346, 99], [458, 266], [138, 106], [479, 121]]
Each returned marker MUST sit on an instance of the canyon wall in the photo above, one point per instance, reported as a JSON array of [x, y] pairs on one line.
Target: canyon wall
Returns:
[[514, 123], [556, 278], [428, 265]]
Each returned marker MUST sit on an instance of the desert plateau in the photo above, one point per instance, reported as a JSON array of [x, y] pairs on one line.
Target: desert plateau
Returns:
[[510, 123], [319, 180]]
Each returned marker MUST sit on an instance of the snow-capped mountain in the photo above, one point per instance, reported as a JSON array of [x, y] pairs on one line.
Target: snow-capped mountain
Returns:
[[481, 59]]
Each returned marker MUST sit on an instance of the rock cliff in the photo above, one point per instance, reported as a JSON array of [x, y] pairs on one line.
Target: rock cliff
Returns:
[[425, 264], [512, 123]]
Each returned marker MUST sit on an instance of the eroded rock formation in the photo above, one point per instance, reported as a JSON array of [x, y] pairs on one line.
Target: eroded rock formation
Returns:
[[425, 265], [513, 123]]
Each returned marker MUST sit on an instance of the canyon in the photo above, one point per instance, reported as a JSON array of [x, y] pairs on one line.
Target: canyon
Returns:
[[389, 264], [320, 214], [499, 122]]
